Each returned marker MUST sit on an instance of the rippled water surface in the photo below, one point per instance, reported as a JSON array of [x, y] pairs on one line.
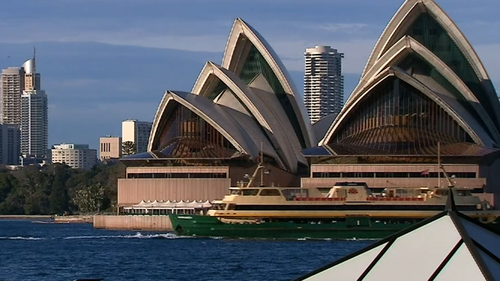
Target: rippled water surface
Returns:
[[46, 251]]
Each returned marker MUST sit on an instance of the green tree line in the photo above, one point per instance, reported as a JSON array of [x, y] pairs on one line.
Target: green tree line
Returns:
[[59, 189]]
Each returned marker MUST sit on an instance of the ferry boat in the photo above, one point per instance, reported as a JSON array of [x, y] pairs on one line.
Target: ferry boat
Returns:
[[350, 210], [347, 211]]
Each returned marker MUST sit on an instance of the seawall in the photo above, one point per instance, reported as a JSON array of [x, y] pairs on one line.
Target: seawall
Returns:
[[73, 219], [21, 217], [124, 222]]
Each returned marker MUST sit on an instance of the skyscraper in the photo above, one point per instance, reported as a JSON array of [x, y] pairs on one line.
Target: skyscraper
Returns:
[[24, 104], [138, 133], [34, 124], [323, 82], [10, 95]]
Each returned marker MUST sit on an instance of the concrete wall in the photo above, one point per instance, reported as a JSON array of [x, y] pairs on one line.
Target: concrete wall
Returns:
[[133, 191], [149, 223]]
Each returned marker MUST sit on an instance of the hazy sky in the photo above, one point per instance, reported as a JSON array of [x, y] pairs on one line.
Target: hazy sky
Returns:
[[103, 61]]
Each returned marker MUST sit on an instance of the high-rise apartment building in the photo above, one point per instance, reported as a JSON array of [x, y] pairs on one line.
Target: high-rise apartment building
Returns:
[[9, 144], [34, 124], [77, 156], [323, 82], [110, 148], [138, 133], [10, 95]]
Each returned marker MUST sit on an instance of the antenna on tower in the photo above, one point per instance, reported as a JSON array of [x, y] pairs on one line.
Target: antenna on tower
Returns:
[[34, 59]]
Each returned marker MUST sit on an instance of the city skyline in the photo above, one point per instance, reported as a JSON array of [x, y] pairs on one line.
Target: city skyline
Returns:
[[99, 69]]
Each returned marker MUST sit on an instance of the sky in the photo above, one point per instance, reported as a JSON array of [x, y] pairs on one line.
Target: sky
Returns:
[[104, 61]]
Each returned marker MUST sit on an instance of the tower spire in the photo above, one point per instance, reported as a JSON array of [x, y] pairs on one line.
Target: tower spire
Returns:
[[34, 59]]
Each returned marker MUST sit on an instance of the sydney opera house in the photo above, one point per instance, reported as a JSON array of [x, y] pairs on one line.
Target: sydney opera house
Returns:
[[424, 97], [205, 140]]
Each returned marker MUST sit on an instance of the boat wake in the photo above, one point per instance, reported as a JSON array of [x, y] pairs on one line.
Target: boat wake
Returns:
[[20, 238], [361, 239], [138, 235]]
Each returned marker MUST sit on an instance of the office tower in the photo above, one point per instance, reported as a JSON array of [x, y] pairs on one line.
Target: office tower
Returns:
[[136, 132], [110, 148], [323, 82], [34, 124], [77, 156], [10, 141]]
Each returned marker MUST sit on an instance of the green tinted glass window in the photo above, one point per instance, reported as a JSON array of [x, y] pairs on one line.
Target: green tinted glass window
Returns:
[[413, 63], [434, 37], [397, 119], [254, 65]]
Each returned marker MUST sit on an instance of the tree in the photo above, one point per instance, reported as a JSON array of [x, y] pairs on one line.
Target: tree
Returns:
[[128, 148], [58, 197], [7, 183], [58, 189], [90, 198]]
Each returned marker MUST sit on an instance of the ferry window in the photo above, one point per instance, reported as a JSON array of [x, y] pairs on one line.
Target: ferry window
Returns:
[[249, 192], [270, 192], [219, 206], [324, 189], [292, 193], [234, 192]]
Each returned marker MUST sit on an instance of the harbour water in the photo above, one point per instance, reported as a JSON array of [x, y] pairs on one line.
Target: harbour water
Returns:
[[39, 250]]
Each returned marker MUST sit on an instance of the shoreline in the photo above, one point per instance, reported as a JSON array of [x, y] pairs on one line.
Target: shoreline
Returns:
[[53, 219], [25, 217]]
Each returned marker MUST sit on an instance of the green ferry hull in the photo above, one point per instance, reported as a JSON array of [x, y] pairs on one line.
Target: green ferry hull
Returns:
[[207, 226]]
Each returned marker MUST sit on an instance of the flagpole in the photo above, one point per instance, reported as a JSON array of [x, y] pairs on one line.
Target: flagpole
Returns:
[[439, 164]]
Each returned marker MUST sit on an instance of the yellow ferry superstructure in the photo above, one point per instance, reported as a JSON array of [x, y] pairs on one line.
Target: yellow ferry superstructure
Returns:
[[345, 200]]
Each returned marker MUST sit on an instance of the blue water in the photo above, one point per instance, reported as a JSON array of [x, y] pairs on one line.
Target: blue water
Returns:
[[47, 251]]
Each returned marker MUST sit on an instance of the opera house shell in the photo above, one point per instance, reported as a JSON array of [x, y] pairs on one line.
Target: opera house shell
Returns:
[[205, 140], [424, 93]]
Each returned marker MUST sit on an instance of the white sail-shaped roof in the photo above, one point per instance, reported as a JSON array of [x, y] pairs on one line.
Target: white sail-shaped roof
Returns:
[[241, 40], [249, 99], [241, 130], [402, 23], [260, 104], [449, 246], [430, 62], [406, 15]]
